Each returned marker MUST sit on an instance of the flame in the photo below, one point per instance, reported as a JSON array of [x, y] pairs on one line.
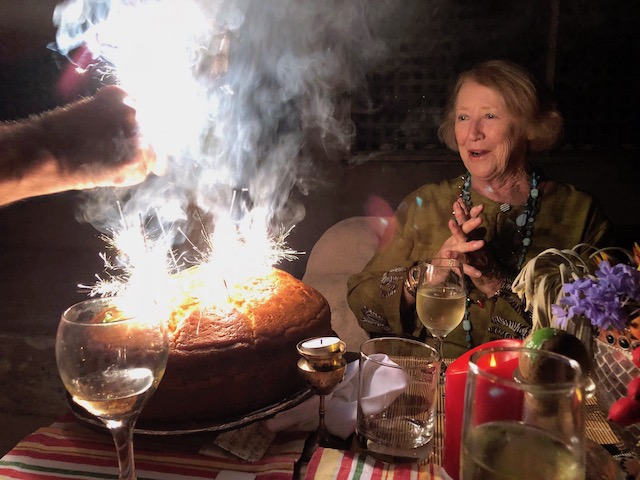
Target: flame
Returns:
[[145, 270], [231, 95], [492, 361]]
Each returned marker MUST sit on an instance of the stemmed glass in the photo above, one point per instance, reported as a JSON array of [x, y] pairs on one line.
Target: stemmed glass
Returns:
[[523, 416], [111, 363], [441, 298], [322, 366]]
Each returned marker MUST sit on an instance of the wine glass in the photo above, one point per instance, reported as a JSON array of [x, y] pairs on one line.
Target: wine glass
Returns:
[[111, 362], [523, 416], [441, 298]]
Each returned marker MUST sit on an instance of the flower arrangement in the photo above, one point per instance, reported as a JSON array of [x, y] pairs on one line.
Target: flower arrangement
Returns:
[[583, 290], [561, 287], [609, 299]]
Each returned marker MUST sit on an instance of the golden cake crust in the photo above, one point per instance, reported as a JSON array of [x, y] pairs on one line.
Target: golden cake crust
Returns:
[[228, 361]]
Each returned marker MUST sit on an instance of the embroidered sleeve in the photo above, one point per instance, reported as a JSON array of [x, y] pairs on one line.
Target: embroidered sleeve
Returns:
[[392, 281], [373, 320], [504, 328]]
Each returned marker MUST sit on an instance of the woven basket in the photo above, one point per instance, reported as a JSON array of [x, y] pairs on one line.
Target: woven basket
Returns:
[[613, 369]]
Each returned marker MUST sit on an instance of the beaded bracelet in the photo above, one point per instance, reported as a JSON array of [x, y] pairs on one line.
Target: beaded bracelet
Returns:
[[505, 288]]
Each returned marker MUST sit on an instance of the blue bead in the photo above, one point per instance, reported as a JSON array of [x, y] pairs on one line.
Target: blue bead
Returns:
[[466, 324]]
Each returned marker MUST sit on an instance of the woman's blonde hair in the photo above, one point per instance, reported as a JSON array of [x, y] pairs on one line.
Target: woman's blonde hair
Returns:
[[537, 120]]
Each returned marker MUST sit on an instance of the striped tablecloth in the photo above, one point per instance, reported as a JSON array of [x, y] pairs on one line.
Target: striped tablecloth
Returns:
[[69, 449], [327, 463]]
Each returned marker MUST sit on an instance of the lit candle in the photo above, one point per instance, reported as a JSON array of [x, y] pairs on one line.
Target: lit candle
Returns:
[[320, 346], [498, 402], [455, 383]]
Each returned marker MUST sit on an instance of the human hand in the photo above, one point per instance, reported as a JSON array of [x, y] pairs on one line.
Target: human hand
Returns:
[[96, 142], [466, 235], [467, 245]]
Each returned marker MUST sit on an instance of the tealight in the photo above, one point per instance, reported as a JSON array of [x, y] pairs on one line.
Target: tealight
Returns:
[[320, 346]]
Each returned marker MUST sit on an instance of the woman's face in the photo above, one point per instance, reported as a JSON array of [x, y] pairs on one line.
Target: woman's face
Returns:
[[484, 131]]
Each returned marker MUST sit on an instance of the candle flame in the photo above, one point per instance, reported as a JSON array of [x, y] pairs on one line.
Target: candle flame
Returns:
[[492, 361]]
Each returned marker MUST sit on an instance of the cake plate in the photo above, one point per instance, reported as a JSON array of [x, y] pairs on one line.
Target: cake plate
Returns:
[[234, 422]]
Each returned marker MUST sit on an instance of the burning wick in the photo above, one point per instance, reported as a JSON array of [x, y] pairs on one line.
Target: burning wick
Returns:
[[320, 346]]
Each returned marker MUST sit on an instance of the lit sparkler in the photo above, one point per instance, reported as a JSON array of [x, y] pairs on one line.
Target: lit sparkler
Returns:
[[230, 93], [171, 69]]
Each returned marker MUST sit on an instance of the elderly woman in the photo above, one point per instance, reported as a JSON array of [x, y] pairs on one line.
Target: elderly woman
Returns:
[[494, 218]]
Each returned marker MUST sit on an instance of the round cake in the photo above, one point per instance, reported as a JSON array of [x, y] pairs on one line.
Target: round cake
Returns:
[[238, 356]]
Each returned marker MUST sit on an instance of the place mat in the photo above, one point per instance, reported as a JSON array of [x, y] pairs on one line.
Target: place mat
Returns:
[[348, 465], [596, 426], [438, 434], [70, 449], [622, 450]]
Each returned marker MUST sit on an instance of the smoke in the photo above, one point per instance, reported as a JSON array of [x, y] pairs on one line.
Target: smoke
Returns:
[[238, 95]]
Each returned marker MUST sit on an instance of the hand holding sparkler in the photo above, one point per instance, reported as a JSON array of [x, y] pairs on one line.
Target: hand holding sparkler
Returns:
[[90, 143]]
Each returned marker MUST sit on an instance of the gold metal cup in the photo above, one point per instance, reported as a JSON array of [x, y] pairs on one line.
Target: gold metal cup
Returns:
[[322, 366]]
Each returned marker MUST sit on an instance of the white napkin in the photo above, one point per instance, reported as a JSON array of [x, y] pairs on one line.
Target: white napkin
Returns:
[[385, 386], [341, 405]]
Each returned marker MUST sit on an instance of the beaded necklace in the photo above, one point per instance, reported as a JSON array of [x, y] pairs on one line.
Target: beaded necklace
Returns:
[[524, 222]]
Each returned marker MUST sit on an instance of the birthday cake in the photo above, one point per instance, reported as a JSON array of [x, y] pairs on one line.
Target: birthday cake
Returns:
[[228, 360]]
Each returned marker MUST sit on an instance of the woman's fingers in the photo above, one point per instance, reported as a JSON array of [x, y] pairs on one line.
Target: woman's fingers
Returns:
[[471, 271], [460, 213], [460, 233], [476, 210]]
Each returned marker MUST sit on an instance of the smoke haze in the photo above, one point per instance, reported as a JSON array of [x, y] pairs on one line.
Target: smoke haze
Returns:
[[267, 123]]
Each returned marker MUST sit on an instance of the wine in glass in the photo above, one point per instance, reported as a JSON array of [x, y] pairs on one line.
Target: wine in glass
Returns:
[[523, 416], [110, 363], [441, 298]]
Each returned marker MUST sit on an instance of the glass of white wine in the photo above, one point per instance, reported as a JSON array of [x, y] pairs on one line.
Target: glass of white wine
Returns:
[[441, 298], [523, 416], [111, 363]]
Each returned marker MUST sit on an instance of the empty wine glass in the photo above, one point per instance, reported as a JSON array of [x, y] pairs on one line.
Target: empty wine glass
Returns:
[[441, 298], [111, 363]]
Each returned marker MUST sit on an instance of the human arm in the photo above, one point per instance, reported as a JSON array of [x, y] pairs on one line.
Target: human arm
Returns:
[[375, 294], [87, 144], [378, 295]]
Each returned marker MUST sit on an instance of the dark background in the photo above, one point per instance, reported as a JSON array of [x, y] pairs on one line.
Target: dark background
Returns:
[[586, 52]]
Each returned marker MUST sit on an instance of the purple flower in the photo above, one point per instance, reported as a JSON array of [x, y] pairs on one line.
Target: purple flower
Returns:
[[602, 299]]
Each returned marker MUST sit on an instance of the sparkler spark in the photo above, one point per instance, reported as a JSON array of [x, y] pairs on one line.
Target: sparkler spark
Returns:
[[229, 92], [146, 268]]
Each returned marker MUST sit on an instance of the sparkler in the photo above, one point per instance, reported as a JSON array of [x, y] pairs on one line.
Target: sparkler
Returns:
[[172, 70], [232, 93]]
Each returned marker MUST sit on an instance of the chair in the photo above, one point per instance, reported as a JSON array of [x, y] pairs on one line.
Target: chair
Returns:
[[342, 250]]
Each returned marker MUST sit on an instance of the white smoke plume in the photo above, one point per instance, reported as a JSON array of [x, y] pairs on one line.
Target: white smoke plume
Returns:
[[246, 136]]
